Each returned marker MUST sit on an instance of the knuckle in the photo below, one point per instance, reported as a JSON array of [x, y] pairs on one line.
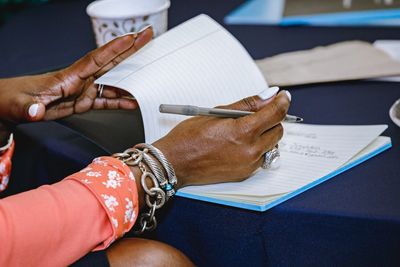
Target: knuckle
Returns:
[[279, 110], [279, 131], [245, 130], [251, 153], [94, 58], [250, 103]]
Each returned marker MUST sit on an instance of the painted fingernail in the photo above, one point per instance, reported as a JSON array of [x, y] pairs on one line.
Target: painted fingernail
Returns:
[[135, 34], [288, 95], [33, 110], [268, 93], [144, 28]]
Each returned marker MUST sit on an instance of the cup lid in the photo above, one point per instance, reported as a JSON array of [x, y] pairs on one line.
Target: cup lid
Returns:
[[111, 9]]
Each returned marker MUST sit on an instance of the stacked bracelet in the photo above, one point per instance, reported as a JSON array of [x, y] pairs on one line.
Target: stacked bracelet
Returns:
[[7, 146], [163, 187], [166, 184]]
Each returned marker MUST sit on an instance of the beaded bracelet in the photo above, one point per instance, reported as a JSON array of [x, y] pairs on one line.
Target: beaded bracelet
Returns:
[[162, 189]]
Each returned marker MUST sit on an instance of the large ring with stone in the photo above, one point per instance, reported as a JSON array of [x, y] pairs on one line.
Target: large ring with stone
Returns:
[[270, 158]]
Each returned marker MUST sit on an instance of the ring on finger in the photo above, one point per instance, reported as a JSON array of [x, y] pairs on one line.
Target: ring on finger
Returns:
[[100, 91], [270, 157]]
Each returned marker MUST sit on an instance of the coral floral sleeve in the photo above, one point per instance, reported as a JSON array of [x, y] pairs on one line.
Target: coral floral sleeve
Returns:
[[54, 225], [5, 166]]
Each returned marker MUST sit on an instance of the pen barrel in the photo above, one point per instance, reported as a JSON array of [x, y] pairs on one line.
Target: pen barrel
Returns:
[[224, 113], [190, 110], [187, 110]]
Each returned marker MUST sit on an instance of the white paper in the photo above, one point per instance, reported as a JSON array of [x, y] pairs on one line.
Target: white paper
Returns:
[[379, 142], [392, 48], [349, 60], [308, 152], [196, 63]]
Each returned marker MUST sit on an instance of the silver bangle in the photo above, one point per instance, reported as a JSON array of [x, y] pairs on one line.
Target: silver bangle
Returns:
[[155, 196], [8, 145], [162, 159]]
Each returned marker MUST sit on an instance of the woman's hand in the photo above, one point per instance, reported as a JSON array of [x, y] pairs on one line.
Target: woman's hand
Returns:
[[71, 90], [206, 150]]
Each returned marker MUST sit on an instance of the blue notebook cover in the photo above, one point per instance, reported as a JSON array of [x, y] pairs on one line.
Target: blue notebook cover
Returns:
[[292, 194], [266, 12]]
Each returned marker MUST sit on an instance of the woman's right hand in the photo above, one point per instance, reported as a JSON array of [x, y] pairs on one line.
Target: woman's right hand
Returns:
[[205, 150]]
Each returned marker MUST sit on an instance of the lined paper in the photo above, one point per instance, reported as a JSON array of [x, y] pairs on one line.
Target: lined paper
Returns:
[[196, 63], [308, 152], [200, 63]]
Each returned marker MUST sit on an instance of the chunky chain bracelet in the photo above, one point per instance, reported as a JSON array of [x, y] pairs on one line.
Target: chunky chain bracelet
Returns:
[[8, 144], [162, 189]]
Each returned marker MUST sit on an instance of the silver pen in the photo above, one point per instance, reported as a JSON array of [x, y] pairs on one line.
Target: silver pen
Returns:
[[214, 112]]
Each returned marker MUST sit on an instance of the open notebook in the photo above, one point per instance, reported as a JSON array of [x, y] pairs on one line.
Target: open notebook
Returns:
[[200, 63]]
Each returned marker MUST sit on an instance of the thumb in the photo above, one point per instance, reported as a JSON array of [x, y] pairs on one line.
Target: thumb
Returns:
[[254, 103], [34, 111]]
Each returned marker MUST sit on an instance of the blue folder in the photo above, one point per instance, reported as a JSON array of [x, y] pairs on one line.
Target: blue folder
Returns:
[[266, 12]]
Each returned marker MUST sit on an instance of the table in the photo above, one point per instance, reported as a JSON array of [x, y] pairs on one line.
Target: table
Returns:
[[351, 220]]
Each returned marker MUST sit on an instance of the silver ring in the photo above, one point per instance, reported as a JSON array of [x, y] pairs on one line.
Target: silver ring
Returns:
[[100, 90], [270, 158]]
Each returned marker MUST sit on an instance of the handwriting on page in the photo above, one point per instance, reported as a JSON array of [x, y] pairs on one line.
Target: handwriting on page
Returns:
[[308, 152], [311, 151], [308, 135]]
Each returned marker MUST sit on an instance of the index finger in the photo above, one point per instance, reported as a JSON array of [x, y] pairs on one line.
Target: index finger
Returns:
[[270, 115], [99, 58]]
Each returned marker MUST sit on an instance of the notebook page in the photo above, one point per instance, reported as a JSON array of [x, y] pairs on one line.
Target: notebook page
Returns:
[[196, 63], [378, 143], [308, 152]]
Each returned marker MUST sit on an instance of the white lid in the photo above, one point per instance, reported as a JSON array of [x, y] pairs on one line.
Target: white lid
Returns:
[[111, 9]]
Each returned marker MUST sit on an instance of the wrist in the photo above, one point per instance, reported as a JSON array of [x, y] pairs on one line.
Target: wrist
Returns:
[[154, 186], [174, 161]]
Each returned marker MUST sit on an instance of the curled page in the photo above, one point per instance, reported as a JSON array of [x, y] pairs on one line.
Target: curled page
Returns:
[[196, 63]]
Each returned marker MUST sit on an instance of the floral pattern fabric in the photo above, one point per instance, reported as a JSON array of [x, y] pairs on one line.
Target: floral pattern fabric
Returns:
[[5, 167], [113, 184]]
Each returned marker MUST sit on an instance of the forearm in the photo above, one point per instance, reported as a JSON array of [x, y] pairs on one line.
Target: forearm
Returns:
[[51, 226], [55, 225]]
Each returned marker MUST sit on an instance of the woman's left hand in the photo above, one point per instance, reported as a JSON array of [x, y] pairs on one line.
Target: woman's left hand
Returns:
[[71, 90]]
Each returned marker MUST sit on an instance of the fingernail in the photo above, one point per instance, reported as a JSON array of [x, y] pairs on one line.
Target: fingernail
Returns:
[[33, 110], [268, 93], [129, 33], [288, 95], [135, 34], [144, 28]]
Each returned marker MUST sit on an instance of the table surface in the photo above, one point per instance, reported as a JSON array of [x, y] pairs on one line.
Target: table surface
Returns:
[[352, 219]]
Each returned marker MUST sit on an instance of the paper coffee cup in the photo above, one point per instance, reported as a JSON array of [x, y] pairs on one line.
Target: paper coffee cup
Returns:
[[112, 18]]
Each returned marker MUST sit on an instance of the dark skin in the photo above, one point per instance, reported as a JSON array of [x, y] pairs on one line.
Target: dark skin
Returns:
[[203, 150], [70, 90]]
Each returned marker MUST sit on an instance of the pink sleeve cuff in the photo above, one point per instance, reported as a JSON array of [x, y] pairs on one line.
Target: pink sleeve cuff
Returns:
[[113, 184]]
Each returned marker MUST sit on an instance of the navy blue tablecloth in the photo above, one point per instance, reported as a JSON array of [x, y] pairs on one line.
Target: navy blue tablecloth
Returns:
[[351, 220]]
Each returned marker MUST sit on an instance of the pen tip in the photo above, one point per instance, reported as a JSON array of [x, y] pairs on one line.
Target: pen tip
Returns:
[[299, 119]]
